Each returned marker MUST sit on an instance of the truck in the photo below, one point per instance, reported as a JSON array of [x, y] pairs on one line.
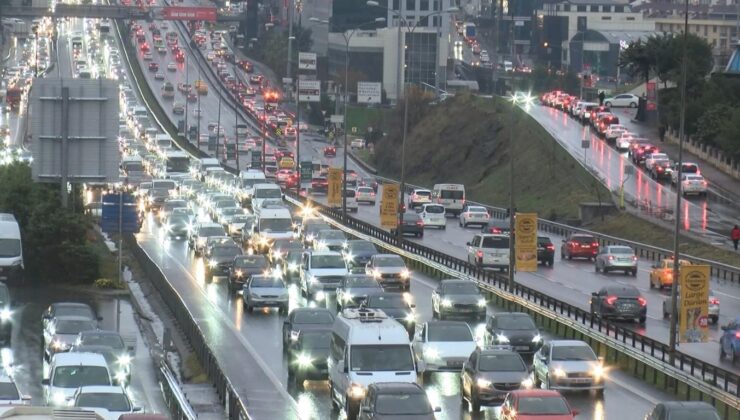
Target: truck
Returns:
[[470, 31], [13, 97]]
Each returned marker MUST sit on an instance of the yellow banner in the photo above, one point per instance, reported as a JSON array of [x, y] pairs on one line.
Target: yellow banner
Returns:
[[525, 246], [389, 206], [335, 187], [693, 303]]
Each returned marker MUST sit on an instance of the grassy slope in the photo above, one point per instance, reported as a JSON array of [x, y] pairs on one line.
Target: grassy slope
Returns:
[[446, 147]]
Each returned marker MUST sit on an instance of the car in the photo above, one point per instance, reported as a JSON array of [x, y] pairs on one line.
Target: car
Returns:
[[410, 223], [148, 56], [623, 100], [178, 108], [579, 245], [70, 371], [489, 375], [354, 289], [110, 401], [308, 356], [357, 253], [641, 153], [442, 346], [320, 274], [312, 227], [219, 259], [201, 233], [289, 264], [456, 297], [10, 394], [153, 67], [568, 365], [545, 251], [712, 307], [669, 410], [692, 184], [686, 168], [616, 258], [729, 341], [396, 400], [433, 215], [623, 141], [305, 319], [395, 306], [265, 291], [661, 169], [330, 239], [171, 67], [497, 226], [319, 184], [63, 309], [515, 329], [613, 132], [652, 158], [489, 250], [243, 267], [617, 301], [330, 151], [661, 273], [536, 404], [61, 333], [365, 195], [390, 270], [419, 196], [184, 88], [474, 215], [281, 247]]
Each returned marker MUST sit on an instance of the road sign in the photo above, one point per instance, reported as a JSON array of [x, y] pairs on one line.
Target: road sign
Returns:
[[309, 91], [389, 206], [335, 187], [306, 170], [693, 307], [354, 130], [336, 119], [369, 92], [525, 247], [306, 61], [189, 13], [585, 144], [113, 213]]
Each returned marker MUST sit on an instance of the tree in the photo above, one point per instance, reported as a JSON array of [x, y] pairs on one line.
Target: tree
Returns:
[[638, 60], [274, 49], [700, 61], [728, 136]]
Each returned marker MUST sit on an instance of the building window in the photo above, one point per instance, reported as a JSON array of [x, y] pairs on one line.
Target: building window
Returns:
[[395, 4], [581, 8], [619, 9], [435, 5], [723, 43], [714, 29], [594, 8], [410, 5], [606, 18], [566, 7], [424, 21], [436, 21], [421, 58], [424, 5], [723, 31]]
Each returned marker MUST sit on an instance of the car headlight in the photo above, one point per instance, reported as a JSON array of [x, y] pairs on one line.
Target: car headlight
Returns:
[[293, 267], [537, 338], [483, 383], [481, 303], [58, 398], [376, 274], [502, 338], [347, 297], [212, 264], [446, 303], [405, 274], [294, 335], [410, 317], [6, 314], [59, 345], [431, 353], [527, 383], [124, 360], [304, 360], [320, 296], [598, 372], [349, 257], [310, 238], [313, 280], [277, 254], [238, 273], [357, 391], [121, 377], [558, 373], [167, 227]]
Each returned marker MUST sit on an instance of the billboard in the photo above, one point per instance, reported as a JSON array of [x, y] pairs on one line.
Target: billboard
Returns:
[[74, 130], [525, 245], [309, 91], [389, 206], [334, 194], [306, 61], [189, 13], [693, 305], [369, 92]]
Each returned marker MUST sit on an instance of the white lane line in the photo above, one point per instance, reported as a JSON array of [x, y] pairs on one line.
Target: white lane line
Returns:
[[227, 320]]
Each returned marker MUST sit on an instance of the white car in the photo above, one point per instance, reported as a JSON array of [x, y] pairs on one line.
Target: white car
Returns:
[[172, 67], [651, 159], [473, 215], [625, 99], [419, 197], [365, 195], [158, 76], [623, 142], [110, 402], [614, 131], [442, 346], [693, 184], [147, 56], [433, 215]]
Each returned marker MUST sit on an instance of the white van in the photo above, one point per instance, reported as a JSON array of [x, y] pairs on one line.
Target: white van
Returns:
[[69, 371], [271, 224], [351, 198], [366, 347], [451, 196], [163, 142], [265, 191], [11, 250], [250, 178]]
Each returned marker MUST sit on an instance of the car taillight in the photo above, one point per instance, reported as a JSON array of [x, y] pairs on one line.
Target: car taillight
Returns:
[[495, 230], [479, 254], [611, 257], [551, 247], [737, 334], [611, 299], [714, 301], [642, 301], [595, 244], [634, 258], [419, 223]]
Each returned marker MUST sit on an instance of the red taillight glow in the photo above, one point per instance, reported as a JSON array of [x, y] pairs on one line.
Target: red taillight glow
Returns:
[[611, 299], [479, 254], [595, 244], [420, 223], [634, 258], [611, 257], [714, 301], [642, 301], [737, 334], [551, 247]]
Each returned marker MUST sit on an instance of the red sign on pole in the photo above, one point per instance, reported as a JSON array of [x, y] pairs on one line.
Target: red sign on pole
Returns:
[[189, 13]]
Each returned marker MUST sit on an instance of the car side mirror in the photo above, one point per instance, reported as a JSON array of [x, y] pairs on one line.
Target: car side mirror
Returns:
[[45, 381], [413, 305], [100, 318], [286, 322], [26, 398], [130, 348], [46, 316], [136, 409]]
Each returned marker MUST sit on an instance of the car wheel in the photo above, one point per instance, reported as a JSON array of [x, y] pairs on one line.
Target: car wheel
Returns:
[[596, 268], [665, 314], [652, 285], [570, 257], [460, 223], [550, 262], [250, 308], [633, 105], [721, 350], [634, 273], [712, 318], [443, 227], [733, 359], [334, 405], [547, 382], [474, 404], [642, 320], [299, 379]]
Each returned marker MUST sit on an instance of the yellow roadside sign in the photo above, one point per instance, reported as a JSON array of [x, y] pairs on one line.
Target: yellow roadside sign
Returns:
[[693, 310], [335, 187], [525, 245], [389, 206]]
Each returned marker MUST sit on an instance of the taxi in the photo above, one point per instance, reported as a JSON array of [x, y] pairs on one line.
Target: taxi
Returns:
[[661, 273], [287, 163]]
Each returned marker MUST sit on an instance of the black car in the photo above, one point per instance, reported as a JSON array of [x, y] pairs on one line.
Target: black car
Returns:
[[281, 247], [497, 226], [177, 226], [290, 263], [698, 410], [305, 319], [456, 297], [619, 302], [245, 266], [311, 228], [545, 251], [220, 258], [489, 375], [411, 224], [358, 252], [156, 198], [308, 355], [515, 329], [395, 306], [354, 289], [396, 400]]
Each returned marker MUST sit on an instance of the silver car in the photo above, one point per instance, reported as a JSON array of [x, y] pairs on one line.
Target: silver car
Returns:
[[265, 292], [616, 258], [568, 365]]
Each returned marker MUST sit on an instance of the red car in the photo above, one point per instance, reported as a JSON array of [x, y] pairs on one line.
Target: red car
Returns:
[[153, 67], [579, 245], [639, 154], [536, 404], [330, 151]]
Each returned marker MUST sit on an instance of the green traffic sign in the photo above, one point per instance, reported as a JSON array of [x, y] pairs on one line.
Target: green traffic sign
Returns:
[[306, 170]]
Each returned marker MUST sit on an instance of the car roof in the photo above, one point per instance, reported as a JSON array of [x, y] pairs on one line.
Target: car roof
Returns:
[[558, 343], [395, 387], [78, 359], [617, 288], [536, 393], [101, 332], [69, 304], [71, 318]]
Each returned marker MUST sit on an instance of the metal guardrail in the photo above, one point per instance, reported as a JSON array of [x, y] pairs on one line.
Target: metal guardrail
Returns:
[[180, 408], [708, 380]]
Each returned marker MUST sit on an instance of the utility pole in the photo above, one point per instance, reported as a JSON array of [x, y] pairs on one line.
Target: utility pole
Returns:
[[291, 5], [236, 131], [512, 211]]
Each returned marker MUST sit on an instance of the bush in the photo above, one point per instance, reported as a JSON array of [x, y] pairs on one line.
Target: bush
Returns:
[[108, 284]]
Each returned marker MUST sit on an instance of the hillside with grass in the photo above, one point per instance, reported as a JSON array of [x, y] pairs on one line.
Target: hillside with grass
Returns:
[[466, 140]]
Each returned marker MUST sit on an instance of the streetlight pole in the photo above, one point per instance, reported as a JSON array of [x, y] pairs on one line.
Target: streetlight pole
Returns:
[[187, 82], [236, 131], [218, 126], [297, 115], [512, 211], [291, 6], [199, 114]]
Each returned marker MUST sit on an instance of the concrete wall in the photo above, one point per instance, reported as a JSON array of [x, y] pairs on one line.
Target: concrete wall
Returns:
[[711, 154]]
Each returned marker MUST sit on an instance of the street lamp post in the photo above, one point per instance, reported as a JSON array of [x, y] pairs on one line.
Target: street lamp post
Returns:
[[187, 82], [402, 19], [236, 131], [199, 114]]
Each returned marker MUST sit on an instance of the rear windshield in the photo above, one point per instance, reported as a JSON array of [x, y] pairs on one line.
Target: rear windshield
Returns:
[[267, 282], [621, 250], [211, 231], [496, 242], [583, 239], [449, 332], [313, 317], [435, 209], [389, 261], [692, 169], [251, 261]]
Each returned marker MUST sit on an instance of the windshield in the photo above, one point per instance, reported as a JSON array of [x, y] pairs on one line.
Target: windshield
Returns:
[[226, 204], [451, 195], [543, 405], [267, 282], [211, 231], [239, 218], [133, 167], [389, 261], [515, 323], [251, 182], [169, 185], [107, 340], [10, 248], [362, 247], [73, 311], [459, 288], [169, 205], [362, 281], [313, 317], [107, 400], [8, 391], [276, 225], [426, 194], [500, 242], [268, 193], [232, 211], [178, 164], [449, 332], [252, 261], [693, 414], [4, 294], [226, 251], [435, 209], [402, 404], [77, 376], [381, 358], [501, 362], [65, 326], [332, 234], [327, 261], [565, 353], [386, 301], [316, 339]]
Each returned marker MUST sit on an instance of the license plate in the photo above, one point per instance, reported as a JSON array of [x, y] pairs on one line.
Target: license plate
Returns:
[[581, 380], [521, 347], [455, 364], [625, 307], [585, 246]]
